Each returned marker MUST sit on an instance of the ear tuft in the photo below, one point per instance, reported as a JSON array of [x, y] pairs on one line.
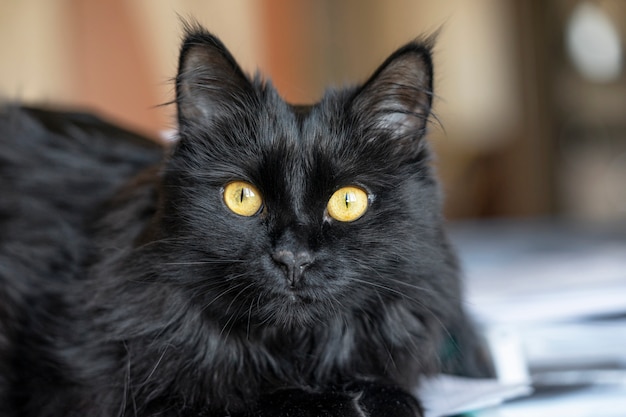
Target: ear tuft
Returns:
[[398, 96], [209, 84]]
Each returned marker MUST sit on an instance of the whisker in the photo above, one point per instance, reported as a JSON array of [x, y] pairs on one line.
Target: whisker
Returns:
[[249, 318], [217, 297], [232, 316], [155, 366], [403, 295], [213, 261], [373, 284]]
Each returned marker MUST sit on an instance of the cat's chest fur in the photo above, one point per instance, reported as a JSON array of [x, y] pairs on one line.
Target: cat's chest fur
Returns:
[[232, 368]]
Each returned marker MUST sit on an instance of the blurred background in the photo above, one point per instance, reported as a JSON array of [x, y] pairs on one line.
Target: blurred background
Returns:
[[531, 94]]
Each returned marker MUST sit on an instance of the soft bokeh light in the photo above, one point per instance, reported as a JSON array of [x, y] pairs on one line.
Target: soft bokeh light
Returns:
[[594, 43]]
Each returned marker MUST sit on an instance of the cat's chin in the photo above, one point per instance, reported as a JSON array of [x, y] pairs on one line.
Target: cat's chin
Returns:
[[295, 310]]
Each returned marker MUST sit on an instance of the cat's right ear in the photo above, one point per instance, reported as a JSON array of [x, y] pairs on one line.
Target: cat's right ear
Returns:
[[209, 84]]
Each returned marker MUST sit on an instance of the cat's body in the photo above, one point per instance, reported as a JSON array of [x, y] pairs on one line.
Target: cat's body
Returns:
[[128, 286]]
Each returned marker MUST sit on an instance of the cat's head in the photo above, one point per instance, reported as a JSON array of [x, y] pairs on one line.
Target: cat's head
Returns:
[[289, 215]]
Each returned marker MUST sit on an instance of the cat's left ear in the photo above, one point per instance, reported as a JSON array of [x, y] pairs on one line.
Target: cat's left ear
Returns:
[[209, 84], [398, 96]]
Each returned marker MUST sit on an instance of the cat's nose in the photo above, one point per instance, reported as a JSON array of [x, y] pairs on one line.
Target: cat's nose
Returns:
[[293, 264]]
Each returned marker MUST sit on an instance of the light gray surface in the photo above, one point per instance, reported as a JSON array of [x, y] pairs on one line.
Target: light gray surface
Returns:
[[551, 297]]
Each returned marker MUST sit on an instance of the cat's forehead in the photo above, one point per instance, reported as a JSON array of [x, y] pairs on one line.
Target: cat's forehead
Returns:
[[296, 138], [319, 145], [308, 128]]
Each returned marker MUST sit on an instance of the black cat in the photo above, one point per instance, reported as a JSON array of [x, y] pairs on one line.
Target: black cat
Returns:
[[281, 260]]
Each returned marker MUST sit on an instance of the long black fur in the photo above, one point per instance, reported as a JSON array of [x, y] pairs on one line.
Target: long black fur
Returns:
[[127, 288]]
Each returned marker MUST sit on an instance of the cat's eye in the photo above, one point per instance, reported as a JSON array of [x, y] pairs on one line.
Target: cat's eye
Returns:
[[347, 204], [242, 198]]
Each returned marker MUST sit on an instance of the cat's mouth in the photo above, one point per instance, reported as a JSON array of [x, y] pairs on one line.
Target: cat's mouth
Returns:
[[288, 307], [300, 298]]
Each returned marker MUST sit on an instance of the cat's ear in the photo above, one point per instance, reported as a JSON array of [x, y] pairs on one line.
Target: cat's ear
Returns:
[[209, 84], [398, 96]]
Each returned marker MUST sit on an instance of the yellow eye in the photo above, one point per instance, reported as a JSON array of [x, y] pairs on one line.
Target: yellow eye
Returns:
[[242, 198], [347, 204]]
